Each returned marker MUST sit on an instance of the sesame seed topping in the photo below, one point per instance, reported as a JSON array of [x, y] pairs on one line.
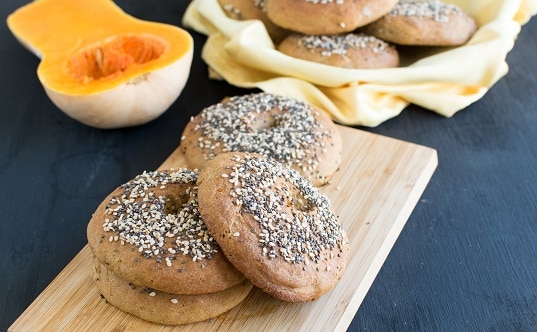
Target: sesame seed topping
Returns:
[[233, 11], [324, 2], [161, 225], [278, 127], [433, 9], [329, 45], [295, 219], [260, 4], [174, 301]]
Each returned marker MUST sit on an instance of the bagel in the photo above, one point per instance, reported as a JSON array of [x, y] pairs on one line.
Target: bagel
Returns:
[[165, 308], [321, 17], [285, 129], [243, 10], [273, 225], [149, 231], [424, 23], [352, 50]]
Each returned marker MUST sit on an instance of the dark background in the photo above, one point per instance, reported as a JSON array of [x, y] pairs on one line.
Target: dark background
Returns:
[[465, 261]]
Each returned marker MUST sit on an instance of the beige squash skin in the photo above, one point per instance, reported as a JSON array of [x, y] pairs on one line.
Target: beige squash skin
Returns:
[[132, 92], [133, 103]]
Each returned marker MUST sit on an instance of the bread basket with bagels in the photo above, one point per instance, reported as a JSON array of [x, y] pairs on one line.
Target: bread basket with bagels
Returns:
[[442, 79]]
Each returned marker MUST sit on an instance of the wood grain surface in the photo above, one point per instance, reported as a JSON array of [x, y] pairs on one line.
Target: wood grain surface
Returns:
[[374, 192]]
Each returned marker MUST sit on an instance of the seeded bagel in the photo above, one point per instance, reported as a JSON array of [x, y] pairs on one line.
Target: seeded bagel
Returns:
[[149, 232], [321, 17], [285, 129], [352, 50], [243, 10], [273, 225], [165, 308], [424, 23]]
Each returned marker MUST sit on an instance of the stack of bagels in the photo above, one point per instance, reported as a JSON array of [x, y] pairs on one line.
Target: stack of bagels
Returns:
[[355, 34], [183, 245]]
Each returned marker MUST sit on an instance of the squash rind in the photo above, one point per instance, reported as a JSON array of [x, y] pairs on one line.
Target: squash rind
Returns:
[[132, 103]]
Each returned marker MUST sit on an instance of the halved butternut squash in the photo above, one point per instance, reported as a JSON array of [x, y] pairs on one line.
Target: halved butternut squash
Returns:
[[100, 65]]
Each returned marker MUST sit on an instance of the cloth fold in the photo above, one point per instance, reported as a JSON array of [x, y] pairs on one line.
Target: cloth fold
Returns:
[[443, 80]]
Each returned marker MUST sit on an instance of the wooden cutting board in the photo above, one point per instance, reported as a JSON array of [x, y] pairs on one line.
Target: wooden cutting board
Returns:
[[374, 192]]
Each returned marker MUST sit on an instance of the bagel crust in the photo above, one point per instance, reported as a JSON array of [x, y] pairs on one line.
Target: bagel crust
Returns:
[[149, 232], [285, 129], [273, 225], [165, 308], [353, 50], [424, 23], [243, 10], [322, 17]]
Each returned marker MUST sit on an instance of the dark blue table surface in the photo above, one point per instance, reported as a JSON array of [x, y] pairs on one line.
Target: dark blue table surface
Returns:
[[465, 261]]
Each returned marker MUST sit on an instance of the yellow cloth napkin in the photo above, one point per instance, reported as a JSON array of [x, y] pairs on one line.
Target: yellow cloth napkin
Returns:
[[444, 80]]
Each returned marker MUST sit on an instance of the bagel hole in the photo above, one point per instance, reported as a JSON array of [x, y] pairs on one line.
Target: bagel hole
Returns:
[[174, 203], [263, 123], [300, 204]]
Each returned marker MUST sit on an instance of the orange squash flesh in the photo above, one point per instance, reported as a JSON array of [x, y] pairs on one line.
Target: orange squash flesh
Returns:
[[88, 46], [114, 57]]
